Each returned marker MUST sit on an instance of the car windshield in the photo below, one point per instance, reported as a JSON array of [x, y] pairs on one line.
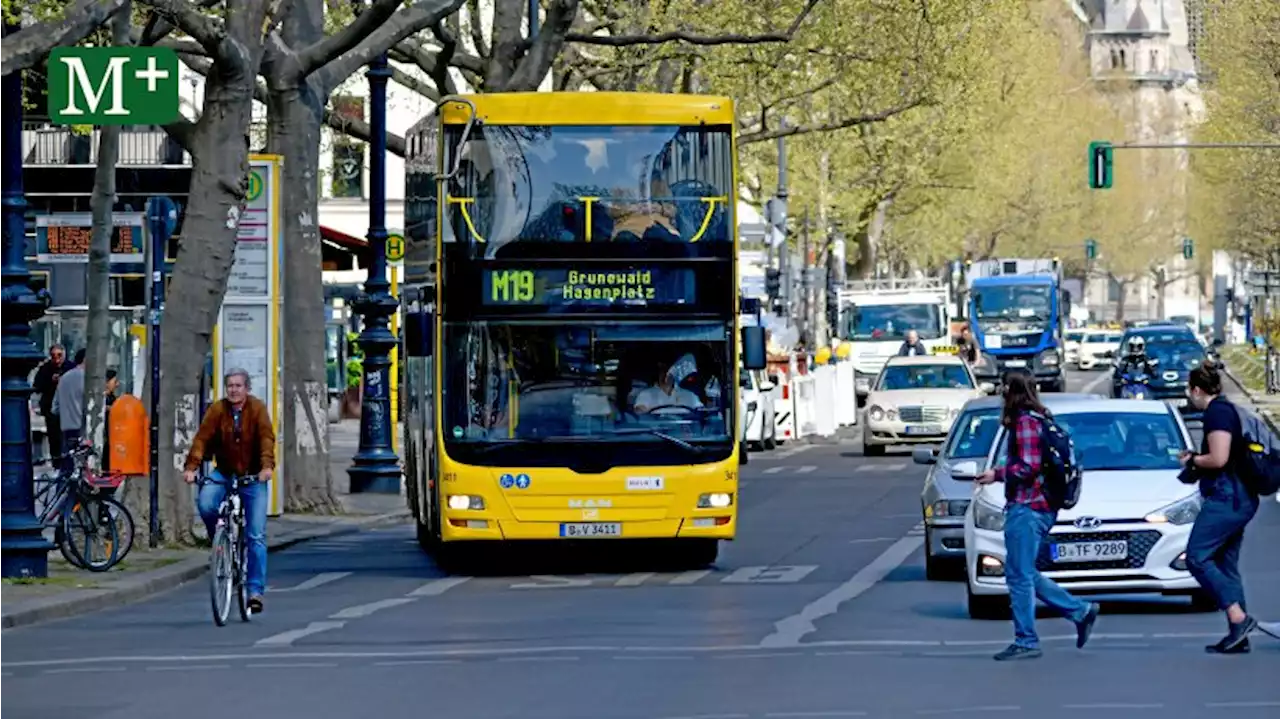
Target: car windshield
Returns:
[[1164, 335], [1074, 336], [924, 376], [1118, 441], [542, 381], [891, 322], [1177, 356], [1012, 302], [973, 434], [578, 183]]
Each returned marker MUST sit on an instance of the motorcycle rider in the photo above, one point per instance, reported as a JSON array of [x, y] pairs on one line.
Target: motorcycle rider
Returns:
[[1134, 361]]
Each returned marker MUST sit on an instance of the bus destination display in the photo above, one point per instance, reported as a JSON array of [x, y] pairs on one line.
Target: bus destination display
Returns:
[[564, 287]]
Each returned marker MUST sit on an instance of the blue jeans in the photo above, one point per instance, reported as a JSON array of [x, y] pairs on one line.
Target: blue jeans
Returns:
[[255, 499], [1213, 550], [1024, 532]]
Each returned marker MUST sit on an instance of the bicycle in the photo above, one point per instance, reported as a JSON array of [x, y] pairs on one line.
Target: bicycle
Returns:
[[73, 503], [228, 557]]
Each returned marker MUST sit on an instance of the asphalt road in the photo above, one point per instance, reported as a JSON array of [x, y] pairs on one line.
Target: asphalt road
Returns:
[[819, 609]]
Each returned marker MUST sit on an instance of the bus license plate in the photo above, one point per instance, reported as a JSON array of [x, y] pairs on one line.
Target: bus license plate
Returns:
[[924, 429], [591, 529], [1090, 551]]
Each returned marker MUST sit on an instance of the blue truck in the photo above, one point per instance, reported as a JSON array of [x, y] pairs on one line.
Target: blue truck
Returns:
[[1017, 312]]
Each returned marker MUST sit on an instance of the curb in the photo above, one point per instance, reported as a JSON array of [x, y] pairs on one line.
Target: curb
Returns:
[[146, 584]]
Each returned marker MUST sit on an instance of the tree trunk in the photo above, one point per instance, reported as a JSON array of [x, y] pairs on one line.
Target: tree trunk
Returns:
[[295, 115], [98, 322], [1122, 294], [220, 166]]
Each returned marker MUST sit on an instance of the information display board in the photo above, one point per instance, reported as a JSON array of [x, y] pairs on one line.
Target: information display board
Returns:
[[65, 236], [249, 333]]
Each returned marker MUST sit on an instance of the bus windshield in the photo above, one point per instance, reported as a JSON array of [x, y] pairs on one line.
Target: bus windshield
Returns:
[[519, 183], [891, 322], [538, 381]]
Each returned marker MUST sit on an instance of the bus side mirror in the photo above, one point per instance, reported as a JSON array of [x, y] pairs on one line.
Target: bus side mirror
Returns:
[[753, 352]]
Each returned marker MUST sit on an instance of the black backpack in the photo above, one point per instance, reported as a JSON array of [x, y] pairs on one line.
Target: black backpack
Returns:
[[1257, 455], [1059, 464]]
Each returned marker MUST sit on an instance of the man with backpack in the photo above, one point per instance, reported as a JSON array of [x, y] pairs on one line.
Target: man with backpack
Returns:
[[1040, 478], [1239, 461]]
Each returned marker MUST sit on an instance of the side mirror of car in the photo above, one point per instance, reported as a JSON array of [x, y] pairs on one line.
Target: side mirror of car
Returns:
[[766, 386], [924, 455], [965, 471], [987, 387], [773, 379]]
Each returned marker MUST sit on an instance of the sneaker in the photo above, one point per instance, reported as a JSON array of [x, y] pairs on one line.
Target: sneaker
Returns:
[[1236, 637], [1084, 627], [1221, 648], [255, 604], [1013, 651]]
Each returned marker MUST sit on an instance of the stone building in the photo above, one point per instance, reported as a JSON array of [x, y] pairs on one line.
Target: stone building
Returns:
[[1142, 53]]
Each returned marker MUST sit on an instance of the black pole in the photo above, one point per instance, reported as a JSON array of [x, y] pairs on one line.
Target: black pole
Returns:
[[533, 19], [375, 467], [162, 216], [25, 551]]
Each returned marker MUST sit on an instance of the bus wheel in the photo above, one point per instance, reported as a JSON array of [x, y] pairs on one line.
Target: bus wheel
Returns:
[[701, 553], [426, 538], [451, 557]]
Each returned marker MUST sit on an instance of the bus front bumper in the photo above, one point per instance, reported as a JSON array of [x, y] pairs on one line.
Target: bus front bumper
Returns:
[[459, 526]]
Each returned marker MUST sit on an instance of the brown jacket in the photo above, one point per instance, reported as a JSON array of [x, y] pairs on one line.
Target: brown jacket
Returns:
[[250, 453]]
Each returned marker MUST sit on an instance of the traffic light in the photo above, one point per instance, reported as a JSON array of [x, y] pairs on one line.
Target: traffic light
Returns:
[[1100, 162], [772, 283], [1091, 249], [1188, 248]]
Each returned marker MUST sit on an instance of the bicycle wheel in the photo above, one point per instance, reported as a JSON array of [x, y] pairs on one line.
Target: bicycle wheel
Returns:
[[221, 575], [122, 518], [242, 577], [87, 542]]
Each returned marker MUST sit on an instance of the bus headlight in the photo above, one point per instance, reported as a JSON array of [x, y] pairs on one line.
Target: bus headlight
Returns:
[[465, 501], [715, 500]]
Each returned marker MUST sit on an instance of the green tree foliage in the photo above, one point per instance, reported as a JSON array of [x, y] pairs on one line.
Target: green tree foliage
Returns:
[[1237, 192]]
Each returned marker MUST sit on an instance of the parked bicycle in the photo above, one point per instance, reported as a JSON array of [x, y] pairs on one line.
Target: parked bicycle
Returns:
[[92, 529], [228, 558]]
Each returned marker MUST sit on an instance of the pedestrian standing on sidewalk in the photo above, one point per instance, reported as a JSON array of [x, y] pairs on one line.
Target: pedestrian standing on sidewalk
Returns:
[[68, 404], [1028, 517], [1213, 550]]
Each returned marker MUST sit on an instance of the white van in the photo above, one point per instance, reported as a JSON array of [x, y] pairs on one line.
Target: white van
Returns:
[[759, 428]]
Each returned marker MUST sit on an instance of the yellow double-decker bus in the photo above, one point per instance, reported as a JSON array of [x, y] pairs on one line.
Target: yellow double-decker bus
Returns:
[[571, 322]]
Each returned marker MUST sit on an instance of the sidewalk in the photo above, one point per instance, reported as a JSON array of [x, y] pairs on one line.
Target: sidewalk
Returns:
[[1267, 405], [69, 591]]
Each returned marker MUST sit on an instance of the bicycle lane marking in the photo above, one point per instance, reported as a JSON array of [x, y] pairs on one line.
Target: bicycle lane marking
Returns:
[[339, 619]]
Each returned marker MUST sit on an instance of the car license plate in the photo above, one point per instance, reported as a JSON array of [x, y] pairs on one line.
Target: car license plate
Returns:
[[591, 529], [924, 429], [1090, 551], [1015, 363]]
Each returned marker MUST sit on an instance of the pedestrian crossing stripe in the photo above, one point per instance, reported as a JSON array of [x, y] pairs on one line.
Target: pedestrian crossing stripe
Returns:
[[764, 574]]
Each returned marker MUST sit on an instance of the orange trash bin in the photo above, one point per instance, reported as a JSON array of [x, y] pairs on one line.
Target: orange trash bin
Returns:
[[130, 436]]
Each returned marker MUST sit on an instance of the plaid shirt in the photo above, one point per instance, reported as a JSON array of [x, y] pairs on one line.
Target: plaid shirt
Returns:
[[1022, 472]]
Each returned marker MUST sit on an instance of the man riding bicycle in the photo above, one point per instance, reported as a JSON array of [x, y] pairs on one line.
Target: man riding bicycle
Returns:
[[236, 432]]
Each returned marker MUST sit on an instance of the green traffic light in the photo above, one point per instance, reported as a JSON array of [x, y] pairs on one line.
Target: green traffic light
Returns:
[[1100, 165]]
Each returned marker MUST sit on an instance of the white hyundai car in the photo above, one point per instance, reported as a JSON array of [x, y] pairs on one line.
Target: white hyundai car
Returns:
[[1128, 533]]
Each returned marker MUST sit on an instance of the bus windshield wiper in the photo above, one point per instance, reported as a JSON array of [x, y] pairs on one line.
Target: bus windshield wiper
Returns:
[[686, 446]]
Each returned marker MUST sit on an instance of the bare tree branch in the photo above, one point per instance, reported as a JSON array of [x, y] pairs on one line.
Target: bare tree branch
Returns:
[[419, 16], [28, 46], [188, 18], [315, 56], [841, 124], [422, 87], [683, 36]]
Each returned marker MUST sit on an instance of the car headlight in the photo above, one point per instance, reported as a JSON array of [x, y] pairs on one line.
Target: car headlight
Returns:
[[946, 508], [1049, 358], [988, 516], [1183, 511], [876, 413]]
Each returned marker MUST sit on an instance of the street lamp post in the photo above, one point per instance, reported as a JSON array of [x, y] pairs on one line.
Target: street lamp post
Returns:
[[375, 467], [24, 552]]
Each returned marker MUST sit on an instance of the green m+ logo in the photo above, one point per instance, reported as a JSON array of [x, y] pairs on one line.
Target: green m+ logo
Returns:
[[113, 86]]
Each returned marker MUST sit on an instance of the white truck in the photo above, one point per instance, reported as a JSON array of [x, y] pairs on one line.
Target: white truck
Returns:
[[875, 316]]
